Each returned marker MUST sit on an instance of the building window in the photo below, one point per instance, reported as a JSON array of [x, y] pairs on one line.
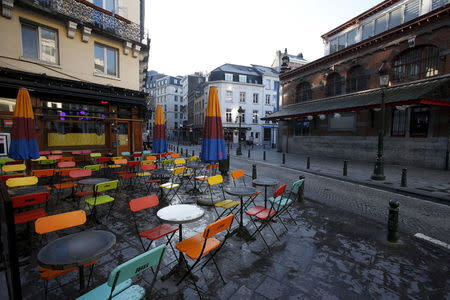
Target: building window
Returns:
[[230, 96], [176, 115], [176, 99], [40, 43], [301, 127], [380, 24], [416, 63], [267, 99], [351, 37], [356, 79], [398, 122], [105, 4], [228, 116], [267, 114], [303, 92], [412, 9], [255, 98], [334, 84], [105, 60], [268, 84], [256, 135], [243, 78], [395, 18], [175, 108], [255, 117], [242, 97], [419, 121], [242, 116], [228, 77], [333, 45]]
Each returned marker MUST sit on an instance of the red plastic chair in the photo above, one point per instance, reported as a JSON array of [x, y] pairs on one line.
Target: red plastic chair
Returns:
[[3, 178], [44, 153], [155, 233], [54, 156], [66, 164], [29, 200], [56, 152], [77, 175]]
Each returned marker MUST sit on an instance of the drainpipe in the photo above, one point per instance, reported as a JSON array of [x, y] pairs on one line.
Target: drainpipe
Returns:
[[142, 18]]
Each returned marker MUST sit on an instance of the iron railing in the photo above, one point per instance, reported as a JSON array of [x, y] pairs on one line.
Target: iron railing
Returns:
[[89, 15]]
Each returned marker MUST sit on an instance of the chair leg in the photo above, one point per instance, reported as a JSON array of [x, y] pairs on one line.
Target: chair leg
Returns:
[[218, 270], [90, 274], [270, 226]]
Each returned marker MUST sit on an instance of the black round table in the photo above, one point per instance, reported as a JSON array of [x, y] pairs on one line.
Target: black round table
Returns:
[[76, 250], [27, 190], [265, 182], [195, 165], [241, 192], [93, 181]]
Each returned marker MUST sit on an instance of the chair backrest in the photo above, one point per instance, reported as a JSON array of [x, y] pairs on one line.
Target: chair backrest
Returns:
[[43, 173], [29, 199], [167, 162], [151, 157], [296, 185], [60, 221], [137, 154], [116, 158], [54, 156], [14, 168], [48, 162], [133, 163], [147, 162], [65, 172], [194, 158], [21, 181], [237, 174], [218, 226], [148, 167], [86, 151], [44, 152], [121, 161], [67, 158], [179, 161], [80, 173], [178, 171], [125, 153], [145, 152], [174, 155], [143, 203], [103, 159], [56, 152], [3, 178], [136, 266], [93, 167], [66, 164], [76, 152], [40, 158], [213, 180], [105, 186], [95, 154], [279, 191]]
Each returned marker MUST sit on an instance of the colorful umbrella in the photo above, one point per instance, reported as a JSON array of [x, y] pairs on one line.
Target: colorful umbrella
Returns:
[[159, 132], [23, 138], [213, 146]]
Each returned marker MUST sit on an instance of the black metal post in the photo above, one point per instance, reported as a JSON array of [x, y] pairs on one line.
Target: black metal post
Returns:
[[344, 171], [404, 177], [393, 221], [308, 162], [193, 152], [248, 154], [239, 148], [254, 175], [264, 155], [284, 159], [378, 171]]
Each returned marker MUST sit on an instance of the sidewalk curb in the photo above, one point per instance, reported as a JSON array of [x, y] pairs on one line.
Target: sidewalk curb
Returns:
[[399, 190]]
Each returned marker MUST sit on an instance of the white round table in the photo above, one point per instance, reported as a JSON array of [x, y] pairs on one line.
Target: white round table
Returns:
[[180, 214]]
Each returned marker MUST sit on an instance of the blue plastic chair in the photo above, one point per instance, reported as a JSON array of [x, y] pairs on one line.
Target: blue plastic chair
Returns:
[[125, 153], [146, 152], [118, 286]]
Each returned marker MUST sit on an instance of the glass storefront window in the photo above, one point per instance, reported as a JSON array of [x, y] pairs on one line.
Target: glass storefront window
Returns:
[[64, 109], [75, 133], [7, 104]]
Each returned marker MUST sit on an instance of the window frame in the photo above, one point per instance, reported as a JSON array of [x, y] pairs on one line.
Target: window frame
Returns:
[[229, 96], [398, 121], [243, 78], [303, 92], [228, 75], [336, 83], [418, 110], [105, 73], [38, 27], [267, 101], [242, 97], [255, 99]]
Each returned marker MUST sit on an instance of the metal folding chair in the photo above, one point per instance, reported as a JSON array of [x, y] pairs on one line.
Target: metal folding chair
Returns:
[[226, 205], [101, 197], [173, 186]]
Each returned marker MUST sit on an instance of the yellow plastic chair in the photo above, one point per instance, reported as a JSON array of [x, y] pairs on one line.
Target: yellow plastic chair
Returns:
[[179, 162], [40, 158], [14, 168], [225, 204], [174, 184], [194, 158], [21, 181]]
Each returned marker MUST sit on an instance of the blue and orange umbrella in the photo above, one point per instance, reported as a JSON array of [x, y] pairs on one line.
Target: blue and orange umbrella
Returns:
[[23, 138], [159, 132], [213, 146]]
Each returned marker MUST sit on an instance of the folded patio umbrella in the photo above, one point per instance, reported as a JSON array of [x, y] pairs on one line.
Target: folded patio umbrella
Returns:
[[23, 138], [159, 132], [213, 146]]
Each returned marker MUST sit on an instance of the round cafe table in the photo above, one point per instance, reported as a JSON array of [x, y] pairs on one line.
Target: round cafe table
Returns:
[[241, 192], [265, 182], [195, 165], [76, 250], [180, 214]]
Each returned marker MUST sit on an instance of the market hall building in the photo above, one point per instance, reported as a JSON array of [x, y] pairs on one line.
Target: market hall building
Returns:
[[84, 64], [332, 106]]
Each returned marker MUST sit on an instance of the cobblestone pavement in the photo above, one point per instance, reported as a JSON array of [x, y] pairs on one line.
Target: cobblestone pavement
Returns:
[[329, 253]]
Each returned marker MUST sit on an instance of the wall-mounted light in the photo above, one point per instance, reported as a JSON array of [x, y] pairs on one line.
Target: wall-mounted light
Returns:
[[376, 109], [322, 117], [310, 118], [337, 115], [401, 107]]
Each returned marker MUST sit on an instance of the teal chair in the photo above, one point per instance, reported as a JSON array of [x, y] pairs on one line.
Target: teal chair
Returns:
[[285, 202], [119, 285], [146, 152]]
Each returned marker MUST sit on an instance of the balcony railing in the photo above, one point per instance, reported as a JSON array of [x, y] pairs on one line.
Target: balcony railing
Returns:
[[90, 15]]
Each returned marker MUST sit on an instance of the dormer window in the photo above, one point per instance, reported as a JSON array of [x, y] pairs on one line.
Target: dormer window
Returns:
[[228, 77]]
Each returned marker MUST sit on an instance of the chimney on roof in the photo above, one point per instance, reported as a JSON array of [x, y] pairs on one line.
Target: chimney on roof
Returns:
[[285, 62], [300, 55]]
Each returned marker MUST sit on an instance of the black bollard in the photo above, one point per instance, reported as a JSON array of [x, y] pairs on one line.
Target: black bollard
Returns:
[[404, 177], [254, 175], [248, 154], [264, 146], [193, 152], [308, 162], [283, 160], [392, 235], [178, 149], [264, 155], [301, 190], [344, 171]]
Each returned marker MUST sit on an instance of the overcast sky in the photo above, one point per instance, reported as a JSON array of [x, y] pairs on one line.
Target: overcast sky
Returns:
[[200, 35]]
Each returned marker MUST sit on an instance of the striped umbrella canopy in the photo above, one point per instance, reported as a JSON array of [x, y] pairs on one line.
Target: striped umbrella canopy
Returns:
[[213, 146], [23, 138], [159, 132]]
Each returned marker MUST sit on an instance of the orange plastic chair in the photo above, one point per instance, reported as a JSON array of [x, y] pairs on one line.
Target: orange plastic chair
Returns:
[[54, 156], [67, 158], [201, 244], [45, 176], [54, 223], [238, 174], [66, 164], [155, 233], [56, 152]]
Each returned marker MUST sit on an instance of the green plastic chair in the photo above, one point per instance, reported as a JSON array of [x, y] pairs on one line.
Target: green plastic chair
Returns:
[[95, 154], [101, 198], [93, 167], [285, 202], [167, 163], [118, 286], [48, 162]]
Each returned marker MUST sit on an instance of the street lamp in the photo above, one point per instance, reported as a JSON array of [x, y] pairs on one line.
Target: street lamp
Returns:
[[378, 171], [239, 149], [179, 131]]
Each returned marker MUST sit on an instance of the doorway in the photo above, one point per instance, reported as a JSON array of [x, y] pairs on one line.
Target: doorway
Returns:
[[124, 136]]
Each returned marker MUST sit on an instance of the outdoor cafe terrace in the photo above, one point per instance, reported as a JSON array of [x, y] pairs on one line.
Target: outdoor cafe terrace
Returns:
[[280, 247]]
